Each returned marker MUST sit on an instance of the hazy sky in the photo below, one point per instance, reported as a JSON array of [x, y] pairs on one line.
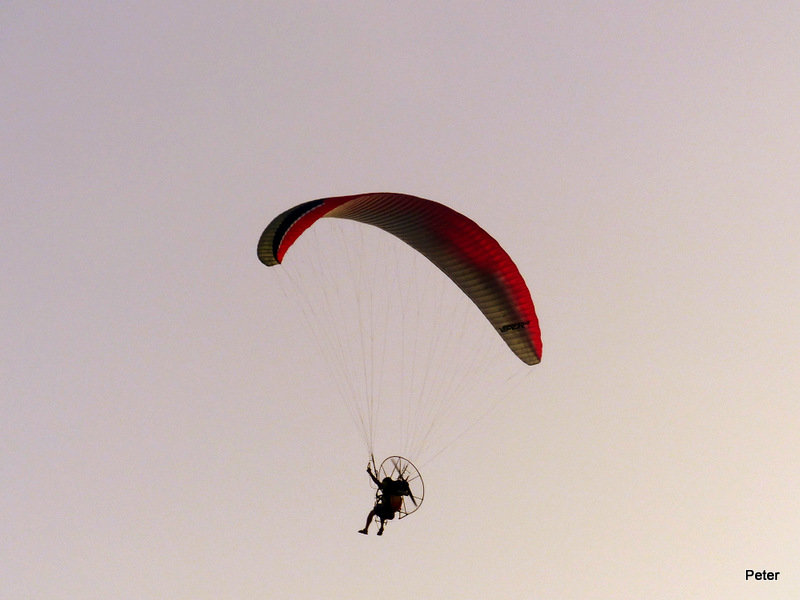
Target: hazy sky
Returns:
[[161, 435]]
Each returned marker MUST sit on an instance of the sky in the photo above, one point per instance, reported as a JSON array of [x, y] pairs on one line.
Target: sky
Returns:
[[168, 429]]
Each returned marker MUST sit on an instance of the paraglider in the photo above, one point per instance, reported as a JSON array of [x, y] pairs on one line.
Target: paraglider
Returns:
[[396, 480], [468, 255], [469, 258]]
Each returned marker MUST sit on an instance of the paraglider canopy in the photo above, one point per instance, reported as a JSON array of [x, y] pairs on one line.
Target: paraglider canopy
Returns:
[[468, 255]]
